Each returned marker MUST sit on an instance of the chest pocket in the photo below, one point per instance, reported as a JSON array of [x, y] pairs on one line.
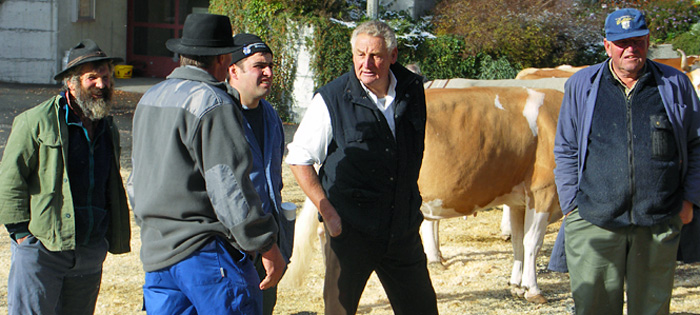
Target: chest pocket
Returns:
[[359, 136], [663, 143], [50, 140]]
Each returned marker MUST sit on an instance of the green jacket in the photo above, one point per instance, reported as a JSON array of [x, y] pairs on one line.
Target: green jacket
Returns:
[[34, 184]]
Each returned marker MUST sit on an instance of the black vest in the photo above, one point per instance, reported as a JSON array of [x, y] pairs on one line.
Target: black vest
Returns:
[[369, 176]]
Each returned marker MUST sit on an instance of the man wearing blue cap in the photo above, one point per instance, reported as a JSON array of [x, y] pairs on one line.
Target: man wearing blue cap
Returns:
[[249, 81], [628, 173]]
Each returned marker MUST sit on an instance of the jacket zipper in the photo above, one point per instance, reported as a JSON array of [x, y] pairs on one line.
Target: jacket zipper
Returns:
[[630, 153]]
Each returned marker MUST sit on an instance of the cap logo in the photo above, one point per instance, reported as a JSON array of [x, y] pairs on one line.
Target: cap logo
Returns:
[[248, 49], [624, 21]]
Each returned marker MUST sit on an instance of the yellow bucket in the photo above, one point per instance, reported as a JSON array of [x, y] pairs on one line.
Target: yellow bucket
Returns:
[[123, 71]]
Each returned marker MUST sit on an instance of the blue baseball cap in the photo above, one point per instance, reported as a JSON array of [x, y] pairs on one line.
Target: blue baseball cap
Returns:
[[625, 23]]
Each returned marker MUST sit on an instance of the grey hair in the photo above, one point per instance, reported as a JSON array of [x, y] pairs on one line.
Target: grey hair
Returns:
[[203, 62], [378, 29]]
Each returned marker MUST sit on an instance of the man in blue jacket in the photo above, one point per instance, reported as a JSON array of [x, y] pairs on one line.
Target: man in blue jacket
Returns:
[[249, 81], [628, 173]]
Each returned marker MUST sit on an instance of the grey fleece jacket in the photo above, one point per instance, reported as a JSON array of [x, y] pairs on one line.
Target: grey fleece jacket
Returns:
[[191, 165]]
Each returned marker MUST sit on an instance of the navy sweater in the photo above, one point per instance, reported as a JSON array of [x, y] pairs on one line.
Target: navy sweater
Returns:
[[632, 173]]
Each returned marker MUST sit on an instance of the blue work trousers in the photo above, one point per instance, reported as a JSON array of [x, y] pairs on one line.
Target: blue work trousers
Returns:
[[210, 281], [46, 282]]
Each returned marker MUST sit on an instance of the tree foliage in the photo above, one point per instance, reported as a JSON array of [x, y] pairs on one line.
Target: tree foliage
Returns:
[[533, 33]]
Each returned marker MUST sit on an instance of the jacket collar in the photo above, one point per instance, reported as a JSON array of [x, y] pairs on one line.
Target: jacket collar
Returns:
[[196, 74]]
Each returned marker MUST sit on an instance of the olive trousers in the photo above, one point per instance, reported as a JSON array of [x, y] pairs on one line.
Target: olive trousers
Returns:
[[601, 261]]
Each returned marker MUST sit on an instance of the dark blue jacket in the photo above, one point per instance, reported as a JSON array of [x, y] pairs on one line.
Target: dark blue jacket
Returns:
[[570, 144], [266, 173]]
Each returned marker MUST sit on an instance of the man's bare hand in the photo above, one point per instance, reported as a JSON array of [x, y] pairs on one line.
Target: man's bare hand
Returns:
[[331, 218], [686, 212], [20, 240], [274, 265]]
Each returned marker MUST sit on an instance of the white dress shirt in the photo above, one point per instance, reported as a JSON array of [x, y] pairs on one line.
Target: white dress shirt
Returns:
[[315, 133]]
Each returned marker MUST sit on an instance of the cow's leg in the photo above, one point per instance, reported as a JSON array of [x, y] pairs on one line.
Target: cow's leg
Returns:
[[517, 217], [431, 241], [505, 223], [535, 228]]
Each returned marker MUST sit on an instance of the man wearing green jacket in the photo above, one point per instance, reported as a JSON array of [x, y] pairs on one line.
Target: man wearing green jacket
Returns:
[[61, 193]]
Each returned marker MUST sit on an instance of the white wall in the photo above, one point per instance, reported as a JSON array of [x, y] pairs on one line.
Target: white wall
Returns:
[[417, 8], [27, 29], [36, 33], [304, 81]]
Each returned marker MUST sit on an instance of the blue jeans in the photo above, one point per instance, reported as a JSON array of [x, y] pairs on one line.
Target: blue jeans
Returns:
[[46, 282], [209, 281]]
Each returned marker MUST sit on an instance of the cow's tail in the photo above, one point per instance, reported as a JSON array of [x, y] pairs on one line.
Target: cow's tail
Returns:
[[304, 240]]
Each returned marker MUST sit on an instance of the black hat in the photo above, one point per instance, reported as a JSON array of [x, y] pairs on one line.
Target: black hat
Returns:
[[203, 35], [246, 45], [84, 52]]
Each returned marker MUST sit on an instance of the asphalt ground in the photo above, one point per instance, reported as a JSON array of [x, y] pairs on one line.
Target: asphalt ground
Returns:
[[16, 98]]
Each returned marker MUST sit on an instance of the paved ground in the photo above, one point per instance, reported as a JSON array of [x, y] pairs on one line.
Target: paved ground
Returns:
[[16, 98]]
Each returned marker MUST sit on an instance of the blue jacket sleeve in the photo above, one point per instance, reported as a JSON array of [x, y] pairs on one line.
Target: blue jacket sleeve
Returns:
[[566, 150]]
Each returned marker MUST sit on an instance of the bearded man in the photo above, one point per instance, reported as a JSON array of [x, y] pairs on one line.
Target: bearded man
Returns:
[[61, 194]]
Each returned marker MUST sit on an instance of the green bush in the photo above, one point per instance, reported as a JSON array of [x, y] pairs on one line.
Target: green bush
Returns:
[[531, 33], [495, 69], [331, 54], [442, 58], [688, 42]]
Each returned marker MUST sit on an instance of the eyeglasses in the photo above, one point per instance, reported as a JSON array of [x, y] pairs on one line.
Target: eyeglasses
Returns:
[[248, 49]]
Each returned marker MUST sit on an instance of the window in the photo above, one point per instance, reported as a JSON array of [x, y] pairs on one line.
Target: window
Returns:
[[83, 10]]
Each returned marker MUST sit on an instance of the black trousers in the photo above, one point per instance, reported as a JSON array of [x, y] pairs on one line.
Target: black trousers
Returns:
[[400, 264]]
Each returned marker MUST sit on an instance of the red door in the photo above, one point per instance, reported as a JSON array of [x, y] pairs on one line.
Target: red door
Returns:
[[150, 24]]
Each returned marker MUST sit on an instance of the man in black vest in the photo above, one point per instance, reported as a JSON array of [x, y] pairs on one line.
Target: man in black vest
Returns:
[[366, 129]]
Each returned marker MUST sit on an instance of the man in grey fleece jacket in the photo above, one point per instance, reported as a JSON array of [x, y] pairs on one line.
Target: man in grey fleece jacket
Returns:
[[198, 211]]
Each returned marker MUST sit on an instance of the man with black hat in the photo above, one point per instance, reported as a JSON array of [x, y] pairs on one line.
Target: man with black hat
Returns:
[[198, 210], [61, 193], [249, 81], [627, 149]]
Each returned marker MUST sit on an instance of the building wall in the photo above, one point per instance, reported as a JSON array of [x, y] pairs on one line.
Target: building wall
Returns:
[[27, 29], [37, 33], [417, 8]]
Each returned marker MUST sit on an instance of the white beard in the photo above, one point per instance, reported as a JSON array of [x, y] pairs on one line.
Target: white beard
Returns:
[[94, 109]]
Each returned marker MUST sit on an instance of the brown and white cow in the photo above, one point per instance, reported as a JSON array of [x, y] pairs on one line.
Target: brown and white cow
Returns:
[[488, 146], [563, 71], [683, 63], [458, 83], [695, 78]]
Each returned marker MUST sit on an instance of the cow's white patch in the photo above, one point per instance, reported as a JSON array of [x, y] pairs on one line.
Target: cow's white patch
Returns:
[[532, 108], [433, 210], [498, 104]]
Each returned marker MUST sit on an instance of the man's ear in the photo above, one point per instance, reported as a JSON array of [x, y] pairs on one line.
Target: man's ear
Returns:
[[70, 84], [232, 72]]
